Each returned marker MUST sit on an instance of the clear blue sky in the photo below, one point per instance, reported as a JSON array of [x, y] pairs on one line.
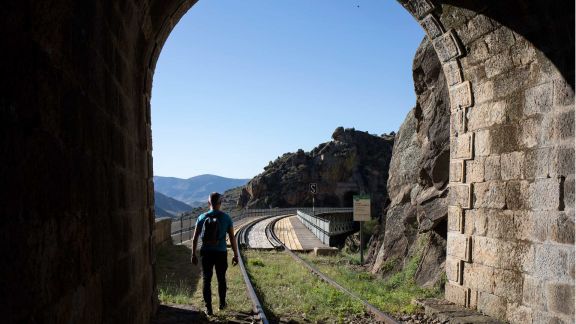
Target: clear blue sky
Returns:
[[239, 83]]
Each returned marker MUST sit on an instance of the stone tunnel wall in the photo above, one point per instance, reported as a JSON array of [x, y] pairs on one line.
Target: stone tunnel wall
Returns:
[[76, 163], [510, 249]]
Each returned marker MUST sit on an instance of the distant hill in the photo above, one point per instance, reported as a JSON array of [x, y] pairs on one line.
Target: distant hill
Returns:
[[195, 190], [169, 207], [159, 212]]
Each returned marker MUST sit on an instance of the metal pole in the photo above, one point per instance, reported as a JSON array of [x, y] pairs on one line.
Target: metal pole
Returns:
[[361, 245], [181, 228], [313, 211]]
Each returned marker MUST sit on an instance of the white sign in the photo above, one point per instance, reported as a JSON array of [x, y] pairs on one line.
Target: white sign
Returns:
[[314, 188], [361, 208]]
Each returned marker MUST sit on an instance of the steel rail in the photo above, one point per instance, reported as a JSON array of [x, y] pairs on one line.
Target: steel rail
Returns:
[[378, 314], [256, 305]]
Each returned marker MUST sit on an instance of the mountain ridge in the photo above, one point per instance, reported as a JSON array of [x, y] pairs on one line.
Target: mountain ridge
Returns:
[[195, 190]]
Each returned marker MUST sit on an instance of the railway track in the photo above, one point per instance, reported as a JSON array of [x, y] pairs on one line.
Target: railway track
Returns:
[[378, 314], [242, 242]]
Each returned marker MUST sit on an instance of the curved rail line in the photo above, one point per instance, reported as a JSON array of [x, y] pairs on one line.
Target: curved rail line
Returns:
[[241, 240], [378, 314]]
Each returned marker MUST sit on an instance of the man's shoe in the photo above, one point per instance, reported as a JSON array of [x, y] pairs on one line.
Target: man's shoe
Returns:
[[222, 306], [208, 311]]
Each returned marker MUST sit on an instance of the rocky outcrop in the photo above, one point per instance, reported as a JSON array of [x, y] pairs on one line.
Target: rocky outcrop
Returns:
[[353, 162], [418, 179]]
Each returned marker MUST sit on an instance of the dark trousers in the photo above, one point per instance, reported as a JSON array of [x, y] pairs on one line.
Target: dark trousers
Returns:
[[211, 260]]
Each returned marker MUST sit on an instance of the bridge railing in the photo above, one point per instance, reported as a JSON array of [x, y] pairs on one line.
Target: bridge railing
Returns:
[[328, 225], [183, 227]]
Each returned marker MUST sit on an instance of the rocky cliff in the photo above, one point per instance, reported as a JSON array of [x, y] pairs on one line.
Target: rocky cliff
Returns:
[[414, 226], [353, 162]]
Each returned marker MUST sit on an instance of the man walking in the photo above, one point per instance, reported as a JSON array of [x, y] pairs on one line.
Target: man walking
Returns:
[[214, 225]]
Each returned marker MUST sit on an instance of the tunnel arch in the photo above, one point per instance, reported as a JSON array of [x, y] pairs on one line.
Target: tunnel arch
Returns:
[[498, 67], [75, 105]]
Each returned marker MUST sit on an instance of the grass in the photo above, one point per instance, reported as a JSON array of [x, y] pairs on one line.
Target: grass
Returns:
[[290, 291], [392, 295], [179, 282]]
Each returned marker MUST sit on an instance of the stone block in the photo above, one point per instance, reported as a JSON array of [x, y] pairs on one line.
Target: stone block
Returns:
[[502, 254], [432, 27], [459, 195], [545, 194], [490, 194], [537, 163], [550, 318], [453, 72], [458, 246], [508, 284], [478, 277], [455, 293], [482, 143], [472, 298], [563, 93], [447, 47], [418, 8], [477, 53], [454, 269], [500, 40], [560, 297], [462, 146], [562, 161], [569, 193], [563, 126], [476, 222], [498, 64], [538, 99], [512, 165], [461, 96], [531, 226], [486, 115], [530, 132], [504, 138], [561, 228], [533, 293], [554, 262], [456, 171], [474, 170], [476, 27], [500, 224], [518, 195], [455, 219], [522, 53], [492, 168], [458, 122], [492, 305], [516, 313], [483, 92]]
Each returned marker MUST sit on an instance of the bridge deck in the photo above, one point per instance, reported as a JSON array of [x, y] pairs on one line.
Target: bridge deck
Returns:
[[296, 236]]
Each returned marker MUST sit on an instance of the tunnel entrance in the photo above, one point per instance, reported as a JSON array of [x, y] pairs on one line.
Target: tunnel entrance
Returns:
[[77, 171]]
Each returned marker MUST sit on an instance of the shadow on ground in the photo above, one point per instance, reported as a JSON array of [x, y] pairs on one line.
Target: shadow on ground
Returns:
[[175, 273], [180, 314]]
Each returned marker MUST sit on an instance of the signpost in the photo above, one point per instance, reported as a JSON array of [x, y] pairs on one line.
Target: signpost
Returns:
[[361, 214], [314, 191]]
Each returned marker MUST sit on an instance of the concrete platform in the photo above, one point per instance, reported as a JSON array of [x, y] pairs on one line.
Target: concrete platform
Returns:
[[296, 236]]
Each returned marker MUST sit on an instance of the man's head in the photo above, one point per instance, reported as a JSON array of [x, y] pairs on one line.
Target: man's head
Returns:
[[215, 200]]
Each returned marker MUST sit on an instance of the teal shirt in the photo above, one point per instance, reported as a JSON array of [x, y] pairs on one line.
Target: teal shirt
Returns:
[[225, 223]]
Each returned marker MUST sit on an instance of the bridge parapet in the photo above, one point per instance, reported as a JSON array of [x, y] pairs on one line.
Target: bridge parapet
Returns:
[[330, 227]]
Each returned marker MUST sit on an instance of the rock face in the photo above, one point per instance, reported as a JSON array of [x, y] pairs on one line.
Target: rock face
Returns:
[[418, 179], [353, 162]]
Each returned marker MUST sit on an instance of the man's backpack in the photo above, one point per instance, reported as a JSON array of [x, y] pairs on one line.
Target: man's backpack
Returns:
[[211, 233]]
